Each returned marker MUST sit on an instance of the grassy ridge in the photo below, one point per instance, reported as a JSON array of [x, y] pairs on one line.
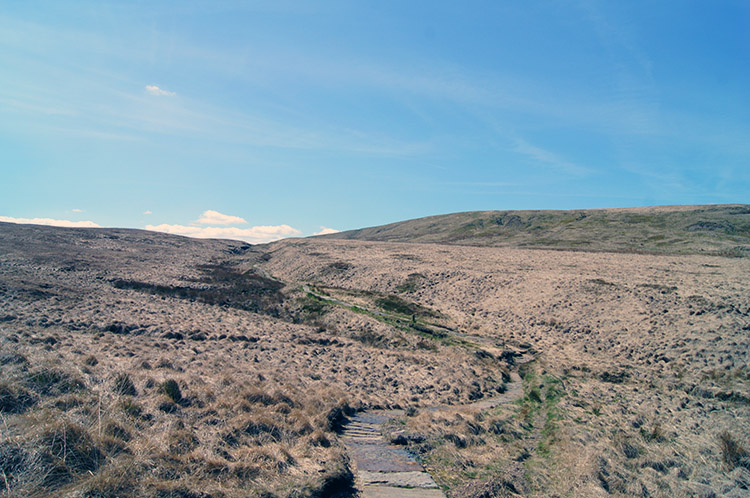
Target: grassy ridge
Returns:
[[714, 229]]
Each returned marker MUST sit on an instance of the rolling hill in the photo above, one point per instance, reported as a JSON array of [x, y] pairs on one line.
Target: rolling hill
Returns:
[[711, 229], [140, 364]]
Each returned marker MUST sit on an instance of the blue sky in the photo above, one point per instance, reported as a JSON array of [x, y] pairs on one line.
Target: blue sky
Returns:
[[258, 120]]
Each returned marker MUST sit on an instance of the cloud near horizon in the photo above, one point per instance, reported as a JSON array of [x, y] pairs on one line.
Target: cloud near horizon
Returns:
[[252, 235], [326, 231], [211, 217], [50, 222], [155, 90]]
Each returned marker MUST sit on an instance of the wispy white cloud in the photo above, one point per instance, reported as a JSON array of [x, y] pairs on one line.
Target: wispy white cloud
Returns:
[[548, 158], [76, 210], [147, 212], [326, 230], [102, 108], [28, 105], [253, 235], [159, 92], [632, 112], [633, 99], [616, 35], [483, 184], [216, 218], [50, 222]]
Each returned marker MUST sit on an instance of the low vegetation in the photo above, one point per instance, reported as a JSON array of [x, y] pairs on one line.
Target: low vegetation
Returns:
[[220, 285], [66, 433], [733, 452], [137, 364], [722, 230]]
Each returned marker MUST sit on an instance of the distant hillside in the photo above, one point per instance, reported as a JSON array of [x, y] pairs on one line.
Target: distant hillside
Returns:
[[713, 229]]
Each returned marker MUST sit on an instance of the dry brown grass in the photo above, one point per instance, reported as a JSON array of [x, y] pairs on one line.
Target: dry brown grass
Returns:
[[650, 351], [733, 452], [636, 356], [97, 439]]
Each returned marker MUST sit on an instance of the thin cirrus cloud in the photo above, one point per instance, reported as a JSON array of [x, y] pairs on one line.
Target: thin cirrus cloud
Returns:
[[252, 235], [159, 92], [216, 218], [50, 222], [548, 158]]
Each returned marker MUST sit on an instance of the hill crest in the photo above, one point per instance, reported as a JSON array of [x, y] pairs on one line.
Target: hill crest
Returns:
[[708, 229]]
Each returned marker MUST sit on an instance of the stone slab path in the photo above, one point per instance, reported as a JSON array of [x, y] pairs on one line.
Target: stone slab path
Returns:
[[384, 470]]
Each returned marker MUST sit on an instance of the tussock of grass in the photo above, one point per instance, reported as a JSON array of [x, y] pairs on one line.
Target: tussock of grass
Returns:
[[123, 385], [171, 389], [227, 441], [15, 398], [51, 381], [733, 453]]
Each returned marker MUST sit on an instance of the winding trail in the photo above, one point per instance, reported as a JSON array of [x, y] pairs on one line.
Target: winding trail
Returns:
[[385, 470]]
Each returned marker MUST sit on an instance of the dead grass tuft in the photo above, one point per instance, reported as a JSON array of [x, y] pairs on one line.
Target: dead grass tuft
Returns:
[[90, 361], [15, 398], [66, 451], [52, 381], [123, 385], [181, 441], [171, 389], [733, 453], [655, 434]]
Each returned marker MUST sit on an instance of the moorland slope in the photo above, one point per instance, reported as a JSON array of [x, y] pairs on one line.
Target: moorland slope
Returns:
[[142, 364], [139, 364], [639, 384], [712, 229]]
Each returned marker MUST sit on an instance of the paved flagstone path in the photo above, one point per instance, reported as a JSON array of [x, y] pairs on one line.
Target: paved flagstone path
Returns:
[[384, 470]]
